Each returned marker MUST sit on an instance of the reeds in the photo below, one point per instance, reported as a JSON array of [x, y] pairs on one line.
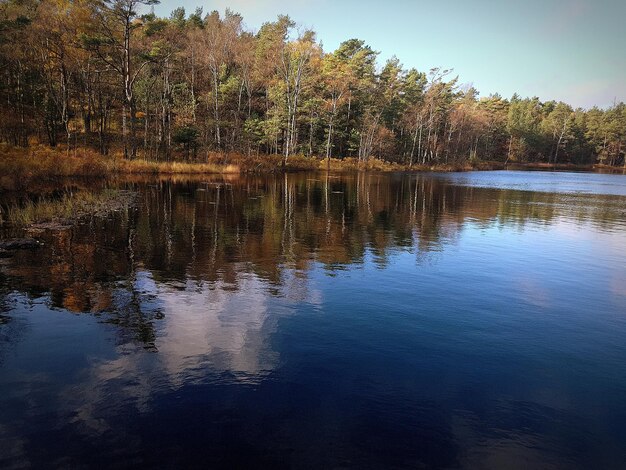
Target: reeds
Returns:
[[20, 167], [64, 209]]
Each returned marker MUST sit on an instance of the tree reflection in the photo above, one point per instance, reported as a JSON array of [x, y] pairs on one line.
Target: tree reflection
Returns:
[[212, 234]]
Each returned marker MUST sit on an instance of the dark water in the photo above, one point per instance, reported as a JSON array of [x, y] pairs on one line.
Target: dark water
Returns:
[[475, 320]]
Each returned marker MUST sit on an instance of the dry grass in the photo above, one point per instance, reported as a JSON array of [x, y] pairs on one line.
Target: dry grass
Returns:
[[265, 163], [353, 164], [19, 167], [550, 166], [66, 209], [169, 168], [374, 164]]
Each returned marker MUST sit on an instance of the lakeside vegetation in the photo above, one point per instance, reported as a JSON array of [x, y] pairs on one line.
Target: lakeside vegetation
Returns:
[[101, 77], [57, 212], [21, 167]]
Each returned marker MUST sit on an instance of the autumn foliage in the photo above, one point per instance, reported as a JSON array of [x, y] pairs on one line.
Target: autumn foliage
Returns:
[[108, 77]]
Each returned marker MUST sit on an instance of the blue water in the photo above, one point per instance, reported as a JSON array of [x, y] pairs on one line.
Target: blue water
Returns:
[[473, 320]]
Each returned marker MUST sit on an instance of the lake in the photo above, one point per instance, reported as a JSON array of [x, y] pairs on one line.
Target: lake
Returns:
[[463, 320]]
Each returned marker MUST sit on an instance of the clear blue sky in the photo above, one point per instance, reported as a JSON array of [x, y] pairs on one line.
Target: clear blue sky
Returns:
[[570, 50]]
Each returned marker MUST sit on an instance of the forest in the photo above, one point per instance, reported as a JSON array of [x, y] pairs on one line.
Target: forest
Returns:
[[113, 77]]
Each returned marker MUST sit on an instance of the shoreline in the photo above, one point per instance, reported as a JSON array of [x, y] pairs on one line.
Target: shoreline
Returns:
[[21, 167]]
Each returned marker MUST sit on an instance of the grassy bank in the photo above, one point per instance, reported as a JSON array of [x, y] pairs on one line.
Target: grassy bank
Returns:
[[564, 167], [20, 167]]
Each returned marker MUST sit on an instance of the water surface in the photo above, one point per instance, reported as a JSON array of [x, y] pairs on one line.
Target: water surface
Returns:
[[365, 321]]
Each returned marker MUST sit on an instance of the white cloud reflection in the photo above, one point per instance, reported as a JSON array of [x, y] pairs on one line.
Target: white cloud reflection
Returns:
[[209, 332], [209, 326]]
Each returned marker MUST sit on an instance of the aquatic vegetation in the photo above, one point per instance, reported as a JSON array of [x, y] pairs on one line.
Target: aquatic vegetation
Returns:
[[65, 209]]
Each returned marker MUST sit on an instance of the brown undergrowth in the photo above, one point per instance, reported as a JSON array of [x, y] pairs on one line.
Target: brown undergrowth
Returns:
[[21, 167]]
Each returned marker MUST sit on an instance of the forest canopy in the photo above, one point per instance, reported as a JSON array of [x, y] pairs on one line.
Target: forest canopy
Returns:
[[106, 75]]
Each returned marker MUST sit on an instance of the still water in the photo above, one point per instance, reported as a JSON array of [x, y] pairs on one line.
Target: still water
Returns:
[[358, 321]]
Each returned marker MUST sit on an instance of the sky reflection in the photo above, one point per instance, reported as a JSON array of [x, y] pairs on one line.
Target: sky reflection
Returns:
[[386, 320]]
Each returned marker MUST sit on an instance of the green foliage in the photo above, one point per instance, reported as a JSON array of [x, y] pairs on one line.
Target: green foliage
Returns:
[[185, 135]]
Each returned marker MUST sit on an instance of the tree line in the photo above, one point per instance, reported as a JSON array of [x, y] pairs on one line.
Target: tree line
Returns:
[[107, 75]]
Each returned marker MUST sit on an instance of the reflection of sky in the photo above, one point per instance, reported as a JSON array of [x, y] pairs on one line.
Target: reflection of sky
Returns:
[[214, 327], [210, 333], [506, 344], [544, 181]]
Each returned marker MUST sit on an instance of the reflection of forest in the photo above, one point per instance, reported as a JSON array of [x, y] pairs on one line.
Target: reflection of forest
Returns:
[[214, 232]]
